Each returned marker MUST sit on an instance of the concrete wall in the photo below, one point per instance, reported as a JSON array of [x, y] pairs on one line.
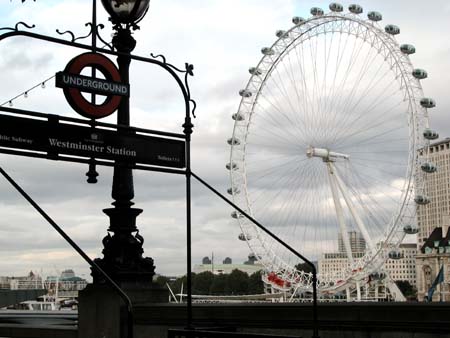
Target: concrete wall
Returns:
[[371, 320], [418, 320]]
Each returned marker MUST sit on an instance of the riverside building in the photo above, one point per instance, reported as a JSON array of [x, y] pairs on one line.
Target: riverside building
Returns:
[[433, 219]]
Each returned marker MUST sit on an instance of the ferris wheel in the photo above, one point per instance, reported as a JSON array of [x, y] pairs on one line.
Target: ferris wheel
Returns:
[[329, 148]]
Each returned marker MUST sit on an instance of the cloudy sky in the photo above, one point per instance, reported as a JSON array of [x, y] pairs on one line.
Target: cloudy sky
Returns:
[[222, 39]]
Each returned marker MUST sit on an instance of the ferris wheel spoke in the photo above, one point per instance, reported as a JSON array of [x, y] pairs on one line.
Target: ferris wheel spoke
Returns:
[[339, 58], [336, 99], [260, 173], [286, 97], [291, 74], [369, 88], [309, 108], [363, 164], [368, 184], [272, 139], [373, 140], [343, 104], [386, 121], [272, 133], [264, 201], [374, 104], [313, 53], [270, 116]]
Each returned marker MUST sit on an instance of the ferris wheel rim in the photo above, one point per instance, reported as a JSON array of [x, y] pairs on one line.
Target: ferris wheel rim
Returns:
[[414, 140]]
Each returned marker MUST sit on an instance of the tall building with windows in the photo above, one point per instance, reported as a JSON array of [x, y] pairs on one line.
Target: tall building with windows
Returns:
[[335, 263], [433, 221], [357, 242], [404, 269], [437, 186]]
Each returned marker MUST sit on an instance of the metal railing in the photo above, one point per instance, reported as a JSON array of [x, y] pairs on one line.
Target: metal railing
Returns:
[[287, 246]]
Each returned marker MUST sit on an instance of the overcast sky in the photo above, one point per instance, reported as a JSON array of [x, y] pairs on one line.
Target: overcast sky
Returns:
[[222, 38]]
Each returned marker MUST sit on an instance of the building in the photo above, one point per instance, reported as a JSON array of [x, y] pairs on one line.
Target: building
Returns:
[[336, 263], [433, 220], [404, 269], [437, 187], [357, 242], [432, 256]]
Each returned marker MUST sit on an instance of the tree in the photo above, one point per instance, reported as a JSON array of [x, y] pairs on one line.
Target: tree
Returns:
[[304, 267], [255, 283], [180, 284], [238, 282], [407, 289], [219, 285], [201, 285], [162, 280]]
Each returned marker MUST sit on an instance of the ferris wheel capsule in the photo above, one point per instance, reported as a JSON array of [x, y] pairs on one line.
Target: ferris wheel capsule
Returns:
[[407, 49], [422, 199], [335, 7], [244, 237], [267, 51], [355, 9], [233, 141], [254, 71], [238, 117], [375, 16], [282, 34], [316, 11], [231, 166], [395, 254], [297, 20], [420, 74], [377, 276], [410, 229], [427, 102], [428, 167], [233, 190], [236, 215], [245, 93], [392, 29], [430, 134]]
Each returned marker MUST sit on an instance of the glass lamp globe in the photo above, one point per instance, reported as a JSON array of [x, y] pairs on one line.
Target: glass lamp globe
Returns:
[[126, 11]]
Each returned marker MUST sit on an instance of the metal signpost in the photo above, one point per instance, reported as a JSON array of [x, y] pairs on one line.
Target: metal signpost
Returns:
[[54, 137]]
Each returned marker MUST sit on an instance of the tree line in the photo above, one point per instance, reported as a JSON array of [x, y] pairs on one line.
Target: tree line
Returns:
[[206, 283]]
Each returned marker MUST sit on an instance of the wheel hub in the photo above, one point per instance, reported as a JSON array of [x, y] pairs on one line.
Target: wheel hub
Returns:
[[325, 154]]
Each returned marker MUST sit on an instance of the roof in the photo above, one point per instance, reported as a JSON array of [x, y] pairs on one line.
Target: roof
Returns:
[[444, 141], [435, 236]]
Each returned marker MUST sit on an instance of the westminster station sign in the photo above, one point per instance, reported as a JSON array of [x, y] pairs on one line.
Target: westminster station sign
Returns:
[[56, 137]]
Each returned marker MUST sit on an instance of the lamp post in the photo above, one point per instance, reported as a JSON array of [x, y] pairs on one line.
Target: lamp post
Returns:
[[123, 250]]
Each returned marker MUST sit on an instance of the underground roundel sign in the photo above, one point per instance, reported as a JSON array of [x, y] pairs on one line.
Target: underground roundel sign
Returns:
[[74, 84]]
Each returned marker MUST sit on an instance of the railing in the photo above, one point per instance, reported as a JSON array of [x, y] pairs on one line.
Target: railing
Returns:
[[218, 334], [259, 225], [91, 263]]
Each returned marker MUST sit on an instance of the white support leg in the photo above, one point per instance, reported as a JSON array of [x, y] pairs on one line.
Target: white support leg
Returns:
[[339, 213], [358, 291], [353, 211]]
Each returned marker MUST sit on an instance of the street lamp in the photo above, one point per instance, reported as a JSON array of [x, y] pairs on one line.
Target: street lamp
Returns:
[[128, 12], [123, 250]]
